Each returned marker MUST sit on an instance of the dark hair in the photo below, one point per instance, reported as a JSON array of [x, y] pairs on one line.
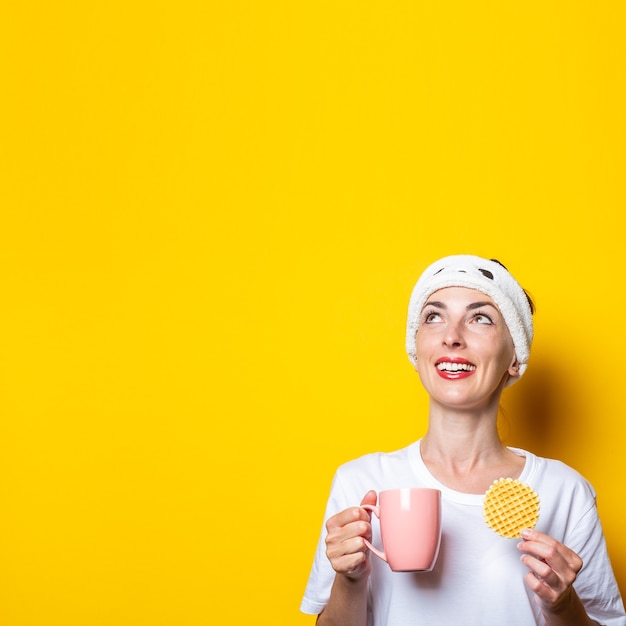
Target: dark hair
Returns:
[[531, 304]]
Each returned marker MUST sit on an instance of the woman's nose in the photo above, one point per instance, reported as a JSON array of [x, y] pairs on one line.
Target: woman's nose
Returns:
[[453, 336]]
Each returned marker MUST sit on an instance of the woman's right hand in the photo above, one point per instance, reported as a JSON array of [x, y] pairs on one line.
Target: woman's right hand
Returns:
[[345, 545]]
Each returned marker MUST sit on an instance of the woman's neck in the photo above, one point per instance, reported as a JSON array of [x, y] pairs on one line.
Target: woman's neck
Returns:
[[464, 452]]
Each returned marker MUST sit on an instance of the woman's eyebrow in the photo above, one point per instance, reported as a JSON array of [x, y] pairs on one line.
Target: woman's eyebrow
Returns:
[[438, 305], [470, 307], [478, 305]]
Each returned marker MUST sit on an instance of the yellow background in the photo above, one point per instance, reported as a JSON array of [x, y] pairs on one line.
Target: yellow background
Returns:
[[212, 217]]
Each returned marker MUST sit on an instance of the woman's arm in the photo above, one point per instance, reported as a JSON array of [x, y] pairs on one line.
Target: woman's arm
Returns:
[[347, 605]]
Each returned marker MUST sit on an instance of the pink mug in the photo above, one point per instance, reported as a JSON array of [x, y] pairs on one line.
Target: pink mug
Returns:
[[410, 528]]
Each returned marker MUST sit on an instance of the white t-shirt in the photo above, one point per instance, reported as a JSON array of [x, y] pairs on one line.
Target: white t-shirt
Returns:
[[478, 579]]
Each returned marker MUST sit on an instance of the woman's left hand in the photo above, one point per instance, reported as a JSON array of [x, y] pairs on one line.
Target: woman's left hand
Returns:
[[553, 568]]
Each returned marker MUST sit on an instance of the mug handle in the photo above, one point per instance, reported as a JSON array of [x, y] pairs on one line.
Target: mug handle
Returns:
[[376, 551]]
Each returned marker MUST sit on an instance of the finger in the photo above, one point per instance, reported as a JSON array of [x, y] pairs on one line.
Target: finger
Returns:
[[339, 549], [349, 563], [546, 594], [541, 570], [560, 558], [553, 566], [352, 563], [353, 514], [340, 534], [347, 555], [534, 535], [549, 549], [543, 580], [369, 498]]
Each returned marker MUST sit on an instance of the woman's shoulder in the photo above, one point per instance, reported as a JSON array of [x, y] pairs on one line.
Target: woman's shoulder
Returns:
[[556, 474], [378, 459], [378, 468]]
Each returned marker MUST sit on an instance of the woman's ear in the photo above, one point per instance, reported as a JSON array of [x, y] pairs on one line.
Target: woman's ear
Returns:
[[514, 369]]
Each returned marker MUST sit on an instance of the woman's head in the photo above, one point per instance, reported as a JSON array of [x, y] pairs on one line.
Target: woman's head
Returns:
[[487, 276]]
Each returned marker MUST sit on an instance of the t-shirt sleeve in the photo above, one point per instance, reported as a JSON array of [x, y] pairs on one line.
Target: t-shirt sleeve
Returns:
[[596, 585], [322, 575]]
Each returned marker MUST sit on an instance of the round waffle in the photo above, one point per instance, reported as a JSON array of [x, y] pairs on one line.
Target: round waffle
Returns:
[[509, 506]]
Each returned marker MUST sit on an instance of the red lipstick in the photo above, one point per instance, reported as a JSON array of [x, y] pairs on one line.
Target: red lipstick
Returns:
[[454, 368]]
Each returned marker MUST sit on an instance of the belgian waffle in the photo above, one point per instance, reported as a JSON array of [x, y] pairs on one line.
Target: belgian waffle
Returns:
[[509, 506]]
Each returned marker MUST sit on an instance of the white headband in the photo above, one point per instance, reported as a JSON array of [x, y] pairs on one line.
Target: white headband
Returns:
[[488, 277]]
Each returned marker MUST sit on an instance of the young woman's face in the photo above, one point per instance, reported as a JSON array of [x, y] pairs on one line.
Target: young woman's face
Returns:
[[465, 353]]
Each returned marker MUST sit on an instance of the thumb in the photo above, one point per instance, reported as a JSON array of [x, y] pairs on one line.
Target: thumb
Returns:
[[369, 498]]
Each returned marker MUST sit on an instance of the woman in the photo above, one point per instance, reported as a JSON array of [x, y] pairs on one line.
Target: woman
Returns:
[[469, 334]]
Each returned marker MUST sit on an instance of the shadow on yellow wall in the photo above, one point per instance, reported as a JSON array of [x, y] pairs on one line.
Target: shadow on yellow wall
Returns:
[[549, 413]]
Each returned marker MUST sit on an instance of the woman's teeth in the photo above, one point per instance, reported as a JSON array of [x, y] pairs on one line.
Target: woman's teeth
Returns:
[[455, 367]]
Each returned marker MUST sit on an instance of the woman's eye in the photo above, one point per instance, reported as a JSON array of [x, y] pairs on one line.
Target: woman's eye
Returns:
[[481, 318], [432, 317]]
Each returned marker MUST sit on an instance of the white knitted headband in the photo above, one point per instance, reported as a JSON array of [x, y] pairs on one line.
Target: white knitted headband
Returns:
[[488, 277]]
